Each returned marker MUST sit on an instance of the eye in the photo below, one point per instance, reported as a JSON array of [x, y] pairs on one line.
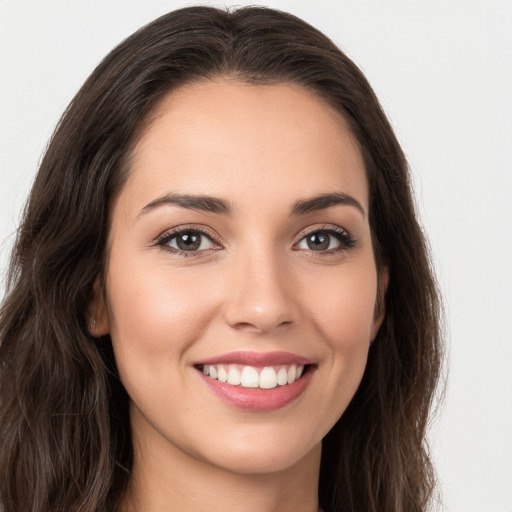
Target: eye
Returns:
[[187, 240], [331, 240]]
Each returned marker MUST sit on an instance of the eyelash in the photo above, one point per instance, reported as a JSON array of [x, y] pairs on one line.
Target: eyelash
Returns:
[[340, 234], [346, 242], [164, 239]]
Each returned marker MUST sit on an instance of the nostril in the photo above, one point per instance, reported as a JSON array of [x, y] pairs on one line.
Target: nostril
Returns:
[[251, 326], [244, 325]]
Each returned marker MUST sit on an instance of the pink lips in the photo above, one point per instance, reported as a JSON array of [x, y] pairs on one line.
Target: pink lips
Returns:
[[257, 399], [257, 359]]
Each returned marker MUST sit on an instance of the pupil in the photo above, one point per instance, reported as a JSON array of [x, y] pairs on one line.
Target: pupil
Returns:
[[318, 241], [189, 241]]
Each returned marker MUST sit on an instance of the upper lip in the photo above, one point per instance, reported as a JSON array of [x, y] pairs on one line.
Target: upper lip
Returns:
[[249, 358]]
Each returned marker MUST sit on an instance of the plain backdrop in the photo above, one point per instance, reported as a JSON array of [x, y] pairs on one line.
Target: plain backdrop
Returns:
[[443, 72]]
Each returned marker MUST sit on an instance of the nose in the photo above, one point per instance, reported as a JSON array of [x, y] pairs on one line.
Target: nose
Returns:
[[262, 295]]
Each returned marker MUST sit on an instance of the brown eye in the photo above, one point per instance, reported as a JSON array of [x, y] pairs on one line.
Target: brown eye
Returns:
[[326, 240], [188, 241], [319, 241]]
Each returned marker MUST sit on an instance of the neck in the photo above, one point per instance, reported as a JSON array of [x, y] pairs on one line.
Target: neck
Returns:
[[168, 479]]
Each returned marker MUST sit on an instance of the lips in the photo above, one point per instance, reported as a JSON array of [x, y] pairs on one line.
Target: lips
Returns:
[[257, 381], [257, 359]]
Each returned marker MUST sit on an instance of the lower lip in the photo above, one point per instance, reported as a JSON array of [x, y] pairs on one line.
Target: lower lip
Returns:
[[256, 399]]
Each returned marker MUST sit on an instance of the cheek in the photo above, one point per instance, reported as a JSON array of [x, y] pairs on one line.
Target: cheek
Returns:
[[343, 310], [343, 305], [154, 316]]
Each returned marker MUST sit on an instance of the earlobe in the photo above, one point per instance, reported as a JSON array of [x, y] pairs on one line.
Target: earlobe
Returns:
[[380, 304], [97, 314]]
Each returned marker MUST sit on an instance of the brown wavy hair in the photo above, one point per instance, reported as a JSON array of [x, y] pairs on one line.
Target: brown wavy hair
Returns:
[[64, 427]]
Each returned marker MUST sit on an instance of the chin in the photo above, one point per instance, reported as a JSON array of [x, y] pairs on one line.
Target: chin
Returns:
[[258, 460], [261, 449]]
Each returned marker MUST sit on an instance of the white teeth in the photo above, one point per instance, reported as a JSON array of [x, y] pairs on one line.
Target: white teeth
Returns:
[[222, 375], [282, 376], [233, 376], [292, 374], [268, 377], [250, 377], [212, 371]]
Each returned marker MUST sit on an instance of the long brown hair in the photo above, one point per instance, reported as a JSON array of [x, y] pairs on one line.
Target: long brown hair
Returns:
[[64, 428]]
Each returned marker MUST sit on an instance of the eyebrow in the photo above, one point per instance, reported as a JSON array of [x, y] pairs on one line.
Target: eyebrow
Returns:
[[325, 201], [220, 206], [191, 202]]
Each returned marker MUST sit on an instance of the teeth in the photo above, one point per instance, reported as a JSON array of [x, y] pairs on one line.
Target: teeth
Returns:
[[292, 374], [222, 375], [268, 377], [233, 376], [250, 377], [212, 371], [282, 376]]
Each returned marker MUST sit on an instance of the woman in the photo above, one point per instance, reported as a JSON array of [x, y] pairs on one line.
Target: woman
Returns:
[[220, 296]]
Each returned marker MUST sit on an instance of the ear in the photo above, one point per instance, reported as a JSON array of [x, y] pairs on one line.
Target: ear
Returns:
[[380, 304], [97, 313]]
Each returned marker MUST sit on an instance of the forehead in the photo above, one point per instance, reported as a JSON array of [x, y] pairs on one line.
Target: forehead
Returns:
[[226, 137]]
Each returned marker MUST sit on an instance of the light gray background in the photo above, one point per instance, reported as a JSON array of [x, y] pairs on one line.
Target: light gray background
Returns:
[[443, 72]]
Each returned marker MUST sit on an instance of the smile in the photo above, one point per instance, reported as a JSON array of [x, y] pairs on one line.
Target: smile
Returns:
[[254, 381], [267, 377]]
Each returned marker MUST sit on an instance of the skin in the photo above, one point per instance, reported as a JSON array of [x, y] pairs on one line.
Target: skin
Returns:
[[255, 286]]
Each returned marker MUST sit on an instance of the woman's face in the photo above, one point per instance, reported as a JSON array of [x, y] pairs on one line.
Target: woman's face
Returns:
[[240, 248]]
